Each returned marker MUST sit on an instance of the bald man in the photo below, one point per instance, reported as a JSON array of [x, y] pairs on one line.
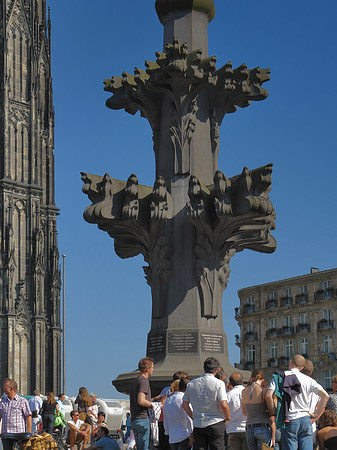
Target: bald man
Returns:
[[297, 433], [236, 426]]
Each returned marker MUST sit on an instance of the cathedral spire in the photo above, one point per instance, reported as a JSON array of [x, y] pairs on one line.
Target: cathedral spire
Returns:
[[27, 205]]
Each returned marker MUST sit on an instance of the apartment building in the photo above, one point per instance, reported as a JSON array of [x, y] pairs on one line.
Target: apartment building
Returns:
[[283, 318]]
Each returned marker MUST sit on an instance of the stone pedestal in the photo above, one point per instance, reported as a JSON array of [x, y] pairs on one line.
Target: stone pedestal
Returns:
[[195, 218]]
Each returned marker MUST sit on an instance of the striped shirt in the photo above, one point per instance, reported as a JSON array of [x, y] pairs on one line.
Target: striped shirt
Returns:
[[13, 414]]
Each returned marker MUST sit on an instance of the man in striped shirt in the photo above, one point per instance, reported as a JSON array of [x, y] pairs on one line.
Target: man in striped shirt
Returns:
[[15, 415]]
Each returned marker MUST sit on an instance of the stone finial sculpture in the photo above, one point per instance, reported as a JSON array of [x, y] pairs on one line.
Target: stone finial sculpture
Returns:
[[194, 219]]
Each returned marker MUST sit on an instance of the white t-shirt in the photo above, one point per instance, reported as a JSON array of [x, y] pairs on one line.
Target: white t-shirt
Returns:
[[300, 404], [238, 421], [77, 424]]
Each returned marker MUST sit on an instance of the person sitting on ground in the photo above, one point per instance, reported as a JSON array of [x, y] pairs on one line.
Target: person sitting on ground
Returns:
[[77, 431], [105, 442], [100, 423], [327, 435], [93, 410]]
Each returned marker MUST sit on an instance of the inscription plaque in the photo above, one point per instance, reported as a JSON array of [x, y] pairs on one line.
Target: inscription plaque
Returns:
[[211, 343], [156, 343], [182, 341]]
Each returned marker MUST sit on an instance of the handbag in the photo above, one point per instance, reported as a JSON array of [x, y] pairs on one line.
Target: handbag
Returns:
[[265, 446]]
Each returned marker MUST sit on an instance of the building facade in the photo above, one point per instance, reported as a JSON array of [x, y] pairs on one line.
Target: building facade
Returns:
[[30, 329], [280, 319]]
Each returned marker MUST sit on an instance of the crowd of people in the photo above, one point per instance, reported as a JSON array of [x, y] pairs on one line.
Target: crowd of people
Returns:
[[216, 412], [86, 427], [210, 412]]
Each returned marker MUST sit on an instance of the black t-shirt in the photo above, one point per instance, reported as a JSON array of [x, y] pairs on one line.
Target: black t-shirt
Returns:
[[48, 408], [140, 384]]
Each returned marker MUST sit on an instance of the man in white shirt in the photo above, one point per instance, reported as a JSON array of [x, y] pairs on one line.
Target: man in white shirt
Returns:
[[178, 425], [297, 433], [35, 403], [77, 431], [236, 427], [208, 398]]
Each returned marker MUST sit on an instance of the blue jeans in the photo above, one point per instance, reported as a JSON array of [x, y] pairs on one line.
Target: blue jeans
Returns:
[[297, 434], [141, 429], [255, 437]]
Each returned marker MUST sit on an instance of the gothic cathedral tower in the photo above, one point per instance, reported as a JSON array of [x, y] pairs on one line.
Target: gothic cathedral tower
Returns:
[[30, 328]]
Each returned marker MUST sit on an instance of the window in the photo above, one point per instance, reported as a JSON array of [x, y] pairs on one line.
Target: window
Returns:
[[288, 348], [250, 327], [272, 295], [273, 350], [287, 321], [325, 285], [287, 293], [326, 314], [272, 323], [327, 343], [304, 346], [251, 353], [302, 290], [328, 380], [303, 318], [250, 300]]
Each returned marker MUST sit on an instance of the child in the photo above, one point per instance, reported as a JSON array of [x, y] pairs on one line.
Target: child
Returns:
[[35, 422]]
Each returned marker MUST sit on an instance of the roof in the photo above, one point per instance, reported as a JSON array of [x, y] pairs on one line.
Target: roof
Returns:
[[318, 274]]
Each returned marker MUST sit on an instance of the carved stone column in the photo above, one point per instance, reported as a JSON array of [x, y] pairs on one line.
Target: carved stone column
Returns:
[[194, 219]]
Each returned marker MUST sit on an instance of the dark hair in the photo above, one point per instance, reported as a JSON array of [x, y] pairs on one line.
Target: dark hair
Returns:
[[60, 395], [105, 430], [73, 412], [34, 413], [211, 365], [220, 375], [179, 375], [183, 383], [236, 379], [101, 413], [145, 363]]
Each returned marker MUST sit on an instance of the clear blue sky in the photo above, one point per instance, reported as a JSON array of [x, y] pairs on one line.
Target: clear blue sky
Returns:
[[108, 300]]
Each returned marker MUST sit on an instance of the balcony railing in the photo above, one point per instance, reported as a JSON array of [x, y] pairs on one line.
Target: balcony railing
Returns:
[[283, 361], [324, 324], [272, 362], [272, 332], [271, 304], [248, 308], [321, 294], [249, 365], [303, 328], [286, 330], [300, 299], [286, 301], [250, 336]]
